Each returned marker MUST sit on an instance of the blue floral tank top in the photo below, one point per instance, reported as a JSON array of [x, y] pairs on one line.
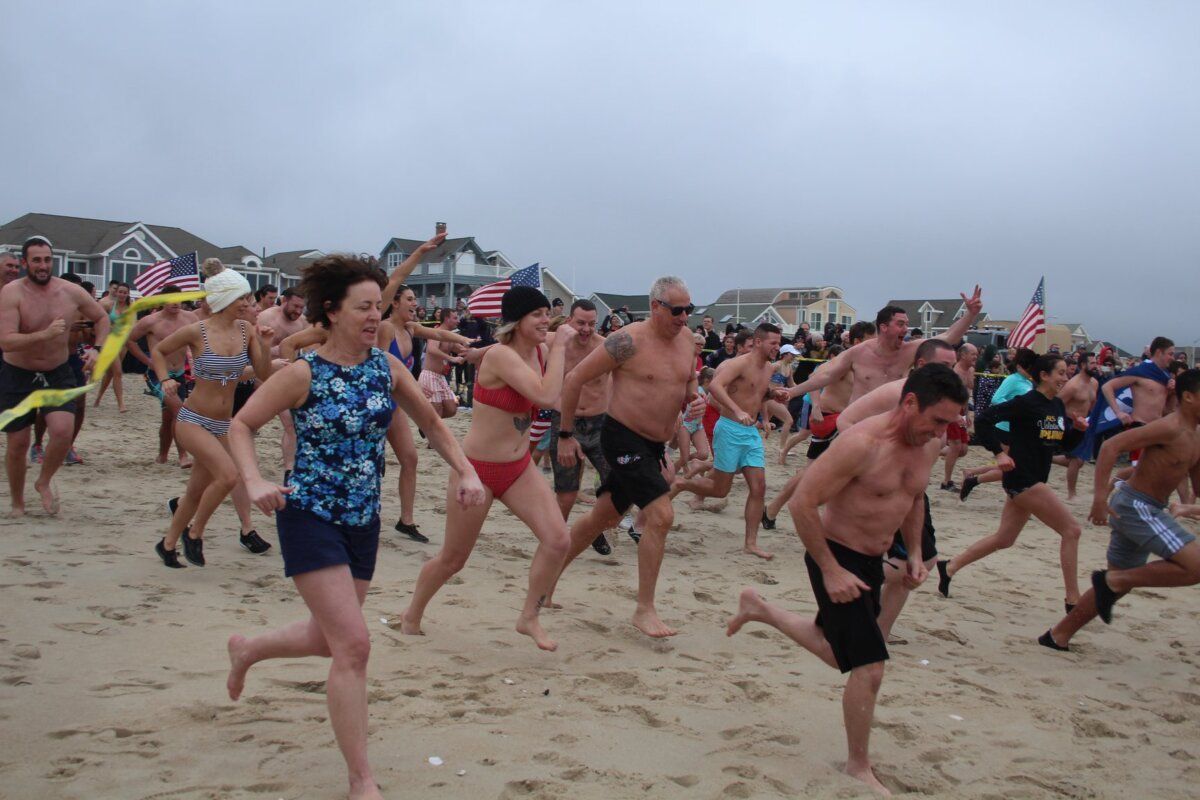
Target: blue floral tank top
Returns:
[[340, 432]]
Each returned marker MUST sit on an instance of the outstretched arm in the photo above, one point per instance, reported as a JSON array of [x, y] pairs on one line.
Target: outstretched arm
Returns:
[[406, 267], [974, 304], [834, 371]]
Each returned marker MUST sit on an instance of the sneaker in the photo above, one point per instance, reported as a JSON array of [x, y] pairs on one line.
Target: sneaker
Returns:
[[767, 523], [1105, 596], [949, 486], [172, 504], [35, 454], [169, 557], [193, 549], [72, 457], [633, 534], [601, 546], [627, 523], [411, 532], [968, 485], [253, 542]]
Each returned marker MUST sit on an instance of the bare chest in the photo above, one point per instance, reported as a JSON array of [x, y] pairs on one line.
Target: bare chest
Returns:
[[873, 369], [37, 312]]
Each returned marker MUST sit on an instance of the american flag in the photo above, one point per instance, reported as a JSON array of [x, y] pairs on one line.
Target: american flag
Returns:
[[1033, 321], [485, 301], [180, 271]]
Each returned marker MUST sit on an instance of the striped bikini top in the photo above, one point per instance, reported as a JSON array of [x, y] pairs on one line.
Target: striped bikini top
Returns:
[[209, 366]]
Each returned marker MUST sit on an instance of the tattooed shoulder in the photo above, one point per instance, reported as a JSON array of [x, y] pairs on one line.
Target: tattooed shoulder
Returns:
[[620, 346]]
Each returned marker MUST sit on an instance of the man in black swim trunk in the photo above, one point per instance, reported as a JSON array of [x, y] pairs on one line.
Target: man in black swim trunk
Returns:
[[37, 313], [652, 364], [870, 482]]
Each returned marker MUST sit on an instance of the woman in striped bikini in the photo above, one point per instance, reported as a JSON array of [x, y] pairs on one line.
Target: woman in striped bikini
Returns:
[[223, 345]]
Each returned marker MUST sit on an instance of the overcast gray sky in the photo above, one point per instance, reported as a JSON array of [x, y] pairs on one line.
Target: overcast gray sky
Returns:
[[893, 149]]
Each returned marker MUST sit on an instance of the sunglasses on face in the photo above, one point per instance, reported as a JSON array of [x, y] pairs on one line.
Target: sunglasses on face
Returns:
[[677, 310]]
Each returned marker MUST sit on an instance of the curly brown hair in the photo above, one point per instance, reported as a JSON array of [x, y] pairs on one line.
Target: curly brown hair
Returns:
[[325, 282]]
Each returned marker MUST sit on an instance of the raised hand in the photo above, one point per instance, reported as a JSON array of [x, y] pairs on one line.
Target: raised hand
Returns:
[[974, 303]]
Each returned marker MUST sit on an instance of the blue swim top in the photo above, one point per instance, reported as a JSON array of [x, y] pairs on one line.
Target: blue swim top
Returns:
[[340, 432], [208, 366]]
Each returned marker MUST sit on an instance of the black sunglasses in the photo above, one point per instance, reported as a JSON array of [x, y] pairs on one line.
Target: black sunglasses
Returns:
[[677, 310]]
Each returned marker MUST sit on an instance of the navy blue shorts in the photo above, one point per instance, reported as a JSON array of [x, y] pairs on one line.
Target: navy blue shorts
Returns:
[[309, 543]]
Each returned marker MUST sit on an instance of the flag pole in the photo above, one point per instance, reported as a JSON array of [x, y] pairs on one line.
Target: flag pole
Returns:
[[1045, 334]]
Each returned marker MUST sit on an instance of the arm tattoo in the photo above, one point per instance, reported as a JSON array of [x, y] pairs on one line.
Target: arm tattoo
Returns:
[[522, 423], [620, 346]]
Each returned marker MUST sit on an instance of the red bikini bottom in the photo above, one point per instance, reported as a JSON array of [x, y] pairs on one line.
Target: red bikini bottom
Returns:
[[499, 476]]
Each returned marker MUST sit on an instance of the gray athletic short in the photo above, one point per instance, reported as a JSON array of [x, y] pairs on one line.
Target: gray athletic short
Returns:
[[587, 433], [1140, 526]]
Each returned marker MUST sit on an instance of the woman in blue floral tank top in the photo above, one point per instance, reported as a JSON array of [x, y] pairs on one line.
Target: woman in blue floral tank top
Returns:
[[341, 397]]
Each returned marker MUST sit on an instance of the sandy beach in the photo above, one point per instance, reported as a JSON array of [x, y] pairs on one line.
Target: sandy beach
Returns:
[[112, 668]]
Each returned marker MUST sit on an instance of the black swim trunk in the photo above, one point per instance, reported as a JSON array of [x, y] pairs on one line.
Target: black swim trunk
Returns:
[[309, 543], [587, 433], [635, 467], [928, 540], [17, 383], [852, 629], [241, 394], [817, 446], [77, 369]]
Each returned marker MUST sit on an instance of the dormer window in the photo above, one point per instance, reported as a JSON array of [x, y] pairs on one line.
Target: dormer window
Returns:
[[132, 255]]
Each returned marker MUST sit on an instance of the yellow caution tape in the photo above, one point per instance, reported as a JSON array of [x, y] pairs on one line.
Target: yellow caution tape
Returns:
[[118, 334]]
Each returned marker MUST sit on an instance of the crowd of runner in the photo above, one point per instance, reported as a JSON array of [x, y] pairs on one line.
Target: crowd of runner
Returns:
[[347, 361]]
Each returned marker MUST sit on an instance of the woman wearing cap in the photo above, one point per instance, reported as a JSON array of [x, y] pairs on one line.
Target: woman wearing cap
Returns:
[[223, 345], [514, 377]]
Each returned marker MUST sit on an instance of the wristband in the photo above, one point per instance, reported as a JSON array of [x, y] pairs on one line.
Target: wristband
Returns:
[[566, 434]]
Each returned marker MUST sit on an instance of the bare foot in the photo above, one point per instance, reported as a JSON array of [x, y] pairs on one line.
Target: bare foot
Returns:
[[160, 459], [783, 458], [122, 409], [755, 550], [751, 608], [49, 498], [695, 504], [647, 621], [410, 628], [864, 774], [17, 511], [238, 664], [532, 628], [185, 462], [367, 792]]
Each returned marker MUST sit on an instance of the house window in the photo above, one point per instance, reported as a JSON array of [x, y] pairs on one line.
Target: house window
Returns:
[[833, 309], [394, 260], [815, 320], [132, 254], [434, 268], [124, 271], [846, 321]]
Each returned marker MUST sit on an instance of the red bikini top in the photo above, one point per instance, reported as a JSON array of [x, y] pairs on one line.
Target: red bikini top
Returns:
[[507, 398]]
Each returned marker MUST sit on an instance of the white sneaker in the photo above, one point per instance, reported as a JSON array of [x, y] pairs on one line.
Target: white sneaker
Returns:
[[627, 523]]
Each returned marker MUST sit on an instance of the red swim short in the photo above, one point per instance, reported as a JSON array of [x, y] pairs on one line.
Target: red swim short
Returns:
[[957, 433], [826, 427]]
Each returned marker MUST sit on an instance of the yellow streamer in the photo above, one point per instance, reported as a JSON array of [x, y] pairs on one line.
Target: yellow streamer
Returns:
[[118, 334]]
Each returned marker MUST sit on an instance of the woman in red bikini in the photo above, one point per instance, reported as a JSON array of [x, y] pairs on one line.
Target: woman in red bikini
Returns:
[[515, 376]]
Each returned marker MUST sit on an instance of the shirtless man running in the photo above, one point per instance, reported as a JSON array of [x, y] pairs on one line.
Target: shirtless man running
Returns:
[[825, 406], [887, 357], [155, 327], [652, 363], [285, 319], [439, 356], [1147, 383], [37, 313], [569, 447], [1138, 513], [739, 388], [871, 482], [1079, 395]]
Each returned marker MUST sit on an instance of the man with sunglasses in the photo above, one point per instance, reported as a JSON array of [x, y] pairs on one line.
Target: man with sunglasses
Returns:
[[652, 364], [887, 357]]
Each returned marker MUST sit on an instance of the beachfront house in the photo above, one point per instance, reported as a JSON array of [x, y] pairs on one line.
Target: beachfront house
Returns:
[[451, 272], [289, 263], [102, 250], [934, 317], [786, 307]]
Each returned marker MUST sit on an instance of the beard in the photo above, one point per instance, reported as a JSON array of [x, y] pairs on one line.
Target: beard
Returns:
[[40, 281]]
